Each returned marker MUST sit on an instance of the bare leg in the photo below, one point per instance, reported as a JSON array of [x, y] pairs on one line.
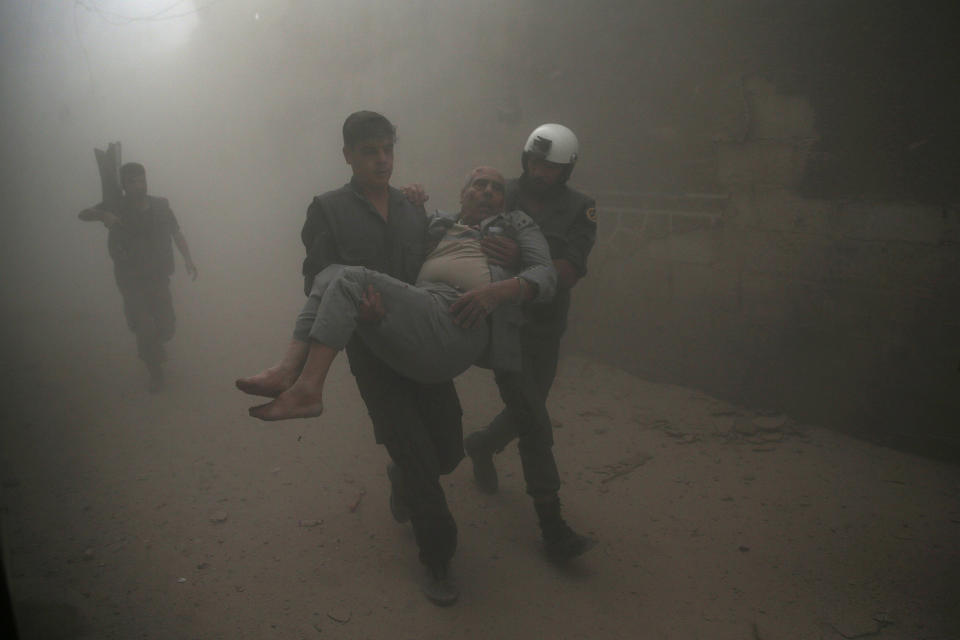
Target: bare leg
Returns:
[[273, 381], [305, 398]]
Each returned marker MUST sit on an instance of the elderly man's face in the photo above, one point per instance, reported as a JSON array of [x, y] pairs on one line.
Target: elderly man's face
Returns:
[[483, 196]]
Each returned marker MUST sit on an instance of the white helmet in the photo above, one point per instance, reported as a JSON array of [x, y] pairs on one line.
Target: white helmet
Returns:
[[553, 143]]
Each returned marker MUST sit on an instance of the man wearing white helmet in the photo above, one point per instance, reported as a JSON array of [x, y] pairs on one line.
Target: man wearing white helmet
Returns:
[[568, 220]]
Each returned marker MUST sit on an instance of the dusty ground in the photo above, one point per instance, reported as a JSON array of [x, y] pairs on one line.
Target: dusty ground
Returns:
[[127, 515]]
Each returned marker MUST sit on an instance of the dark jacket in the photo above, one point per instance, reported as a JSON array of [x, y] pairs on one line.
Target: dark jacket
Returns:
[[342, 227], [140, 244], [568, 222]]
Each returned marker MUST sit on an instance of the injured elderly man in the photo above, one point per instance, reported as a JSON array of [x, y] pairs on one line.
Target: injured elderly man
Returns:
[[461, 311]]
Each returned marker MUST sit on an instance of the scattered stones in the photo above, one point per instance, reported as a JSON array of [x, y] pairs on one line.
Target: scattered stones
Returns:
[[770, 423], [595, 413], [746, 427], [858, 624], [622, 468]]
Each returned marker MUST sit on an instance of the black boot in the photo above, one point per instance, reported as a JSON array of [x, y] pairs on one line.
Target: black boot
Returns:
[[560, 541], [156, 377], [398, 508], [439, 586], [482, 457]]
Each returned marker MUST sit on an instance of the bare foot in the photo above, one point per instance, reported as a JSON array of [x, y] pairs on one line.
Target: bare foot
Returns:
[[269, 383], [292, 403]]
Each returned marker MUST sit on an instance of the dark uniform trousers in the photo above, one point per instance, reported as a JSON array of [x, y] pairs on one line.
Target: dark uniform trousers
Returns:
[[417, 424], [148, 307], [569, 225], [524, 395]]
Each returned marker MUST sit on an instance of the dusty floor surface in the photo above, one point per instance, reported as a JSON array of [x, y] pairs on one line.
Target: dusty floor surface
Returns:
[[130, 515]]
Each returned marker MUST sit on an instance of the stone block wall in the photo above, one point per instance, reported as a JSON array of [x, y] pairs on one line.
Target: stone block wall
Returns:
[[843, 312]]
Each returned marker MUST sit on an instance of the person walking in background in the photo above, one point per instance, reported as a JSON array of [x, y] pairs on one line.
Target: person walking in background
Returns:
[[141, 231]]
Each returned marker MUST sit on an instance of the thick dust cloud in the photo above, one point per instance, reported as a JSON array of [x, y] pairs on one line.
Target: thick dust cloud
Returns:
[[701, 128], [777, 251], [235, 110]]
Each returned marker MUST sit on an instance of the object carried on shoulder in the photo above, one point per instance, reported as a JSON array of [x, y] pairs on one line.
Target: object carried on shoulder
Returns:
[[108, 163]]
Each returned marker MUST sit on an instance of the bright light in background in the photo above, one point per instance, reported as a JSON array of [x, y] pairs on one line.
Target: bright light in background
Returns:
[[151, 26]]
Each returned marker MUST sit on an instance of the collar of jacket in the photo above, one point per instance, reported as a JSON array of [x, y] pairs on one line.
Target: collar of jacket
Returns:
[[447, 220], [393, 195]]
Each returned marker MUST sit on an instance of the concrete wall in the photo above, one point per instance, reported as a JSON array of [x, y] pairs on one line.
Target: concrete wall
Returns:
[[844, 312]]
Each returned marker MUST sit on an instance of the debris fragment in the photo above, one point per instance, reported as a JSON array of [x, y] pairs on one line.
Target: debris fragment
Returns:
[[857, 629], [595, 413], [357, 502], [340, 620], [745, 428], [218, 516], [622, 468], [770, 423]]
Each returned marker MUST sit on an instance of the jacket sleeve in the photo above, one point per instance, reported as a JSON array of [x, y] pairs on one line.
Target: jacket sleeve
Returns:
[[581, 236], [438, 223], [172, 223], [320, 244], [535, 262]]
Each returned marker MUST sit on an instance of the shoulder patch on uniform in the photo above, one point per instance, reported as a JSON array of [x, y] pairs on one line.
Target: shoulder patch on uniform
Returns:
[[591, 214]]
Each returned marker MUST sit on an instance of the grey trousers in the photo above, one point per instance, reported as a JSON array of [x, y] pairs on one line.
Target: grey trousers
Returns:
[[417, 337]]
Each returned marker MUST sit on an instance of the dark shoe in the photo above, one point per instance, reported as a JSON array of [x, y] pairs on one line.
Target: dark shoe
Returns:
[[439, 586], [400, 511], [563, 543], [483, 470]]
